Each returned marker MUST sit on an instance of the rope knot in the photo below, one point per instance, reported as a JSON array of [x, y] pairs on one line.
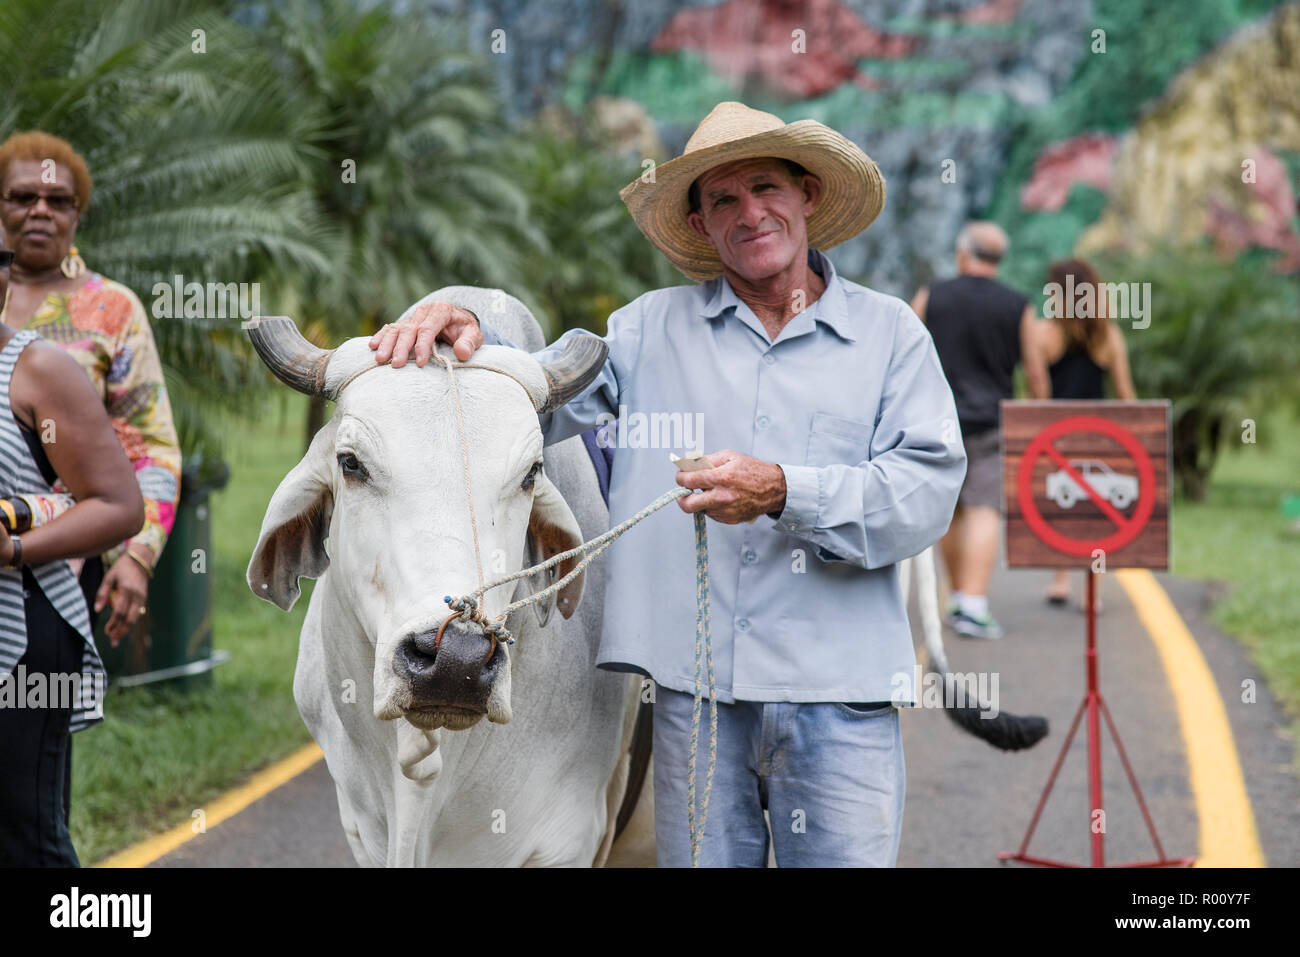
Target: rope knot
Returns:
[[468, 607], [498, 630], [463, 604]]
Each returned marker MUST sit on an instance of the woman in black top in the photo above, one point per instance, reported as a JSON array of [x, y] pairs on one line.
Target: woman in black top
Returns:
[[1079, 351], [52, 425]]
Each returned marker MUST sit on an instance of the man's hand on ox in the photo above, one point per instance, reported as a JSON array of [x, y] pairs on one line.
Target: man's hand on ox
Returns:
[[422, 326], [739, 488]]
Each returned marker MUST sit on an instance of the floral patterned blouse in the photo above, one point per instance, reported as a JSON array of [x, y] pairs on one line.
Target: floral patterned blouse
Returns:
[[104, 327]]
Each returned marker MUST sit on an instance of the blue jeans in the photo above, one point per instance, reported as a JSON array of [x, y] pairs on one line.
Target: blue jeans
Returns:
[[830, 775]]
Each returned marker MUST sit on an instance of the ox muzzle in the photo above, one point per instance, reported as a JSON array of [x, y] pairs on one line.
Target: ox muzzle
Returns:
[[451, 682]]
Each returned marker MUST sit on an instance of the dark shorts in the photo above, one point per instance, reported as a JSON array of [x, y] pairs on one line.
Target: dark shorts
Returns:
[[983, 485], [34, 748]]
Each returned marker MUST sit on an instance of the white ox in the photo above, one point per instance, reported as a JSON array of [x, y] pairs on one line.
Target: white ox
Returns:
[[377, 512]]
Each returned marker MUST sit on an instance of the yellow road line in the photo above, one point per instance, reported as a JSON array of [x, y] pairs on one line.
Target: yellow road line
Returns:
[[225, 806], [1228, 836]]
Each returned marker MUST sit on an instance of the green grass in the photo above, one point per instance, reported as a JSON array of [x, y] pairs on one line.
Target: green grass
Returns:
[[1238, 536], [160, 754]]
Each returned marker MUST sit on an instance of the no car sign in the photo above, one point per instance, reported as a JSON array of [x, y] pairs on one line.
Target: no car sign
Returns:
[[1083, 479]]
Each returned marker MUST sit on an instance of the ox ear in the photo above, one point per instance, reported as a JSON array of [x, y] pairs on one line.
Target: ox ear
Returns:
[[555, 530], [292, 542]]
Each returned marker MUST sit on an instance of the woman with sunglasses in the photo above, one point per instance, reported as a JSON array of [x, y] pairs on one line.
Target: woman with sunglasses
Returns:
[[53, 429], [44, 190]]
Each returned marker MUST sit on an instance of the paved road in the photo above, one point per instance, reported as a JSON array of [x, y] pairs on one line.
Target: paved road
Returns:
[[966, 800]]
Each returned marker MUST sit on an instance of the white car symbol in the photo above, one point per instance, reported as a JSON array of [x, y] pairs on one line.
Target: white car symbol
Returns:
[[1119, 490]]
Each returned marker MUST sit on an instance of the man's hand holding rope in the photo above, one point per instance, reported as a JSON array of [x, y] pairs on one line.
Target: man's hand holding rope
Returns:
[[738, 488]]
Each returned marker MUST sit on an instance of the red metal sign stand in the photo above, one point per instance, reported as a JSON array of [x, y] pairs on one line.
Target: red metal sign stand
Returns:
[[1095, 706]]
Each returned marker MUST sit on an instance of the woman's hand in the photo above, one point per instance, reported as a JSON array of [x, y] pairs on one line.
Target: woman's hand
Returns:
[[6, 547], [125, 587]]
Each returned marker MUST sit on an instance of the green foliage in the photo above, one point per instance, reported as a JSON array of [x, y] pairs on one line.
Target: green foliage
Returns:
[[347, 156], [1238, 536], [194, 158], [1223, 345], [429, 202], [593, 259], [227, 166]]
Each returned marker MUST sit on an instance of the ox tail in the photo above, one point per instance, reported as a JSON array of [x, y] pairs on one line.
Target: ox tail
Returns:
[[1006, 731], [1009, 732]]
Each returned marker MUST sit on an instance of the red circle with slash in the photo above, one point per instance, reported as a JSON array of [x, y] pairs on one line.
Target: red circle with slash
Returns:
[[1127, 528]]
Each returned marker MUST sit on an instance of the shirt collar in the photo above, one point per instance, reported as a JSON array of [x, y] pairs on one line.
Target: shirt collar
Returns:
[[831, 307]]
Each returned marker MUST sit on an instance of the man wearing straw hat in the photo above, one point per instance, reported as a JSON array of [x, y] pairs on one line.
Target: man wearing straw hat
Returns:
[[837, 455]]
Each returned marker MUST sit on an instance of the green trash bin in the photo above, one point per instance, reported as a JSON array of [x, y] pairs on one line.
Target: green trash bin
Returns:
[[172, 641]]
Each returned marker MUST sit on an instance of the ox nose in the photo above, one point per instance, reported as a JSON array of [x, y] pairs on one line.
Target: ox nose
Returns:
[[456, 673]]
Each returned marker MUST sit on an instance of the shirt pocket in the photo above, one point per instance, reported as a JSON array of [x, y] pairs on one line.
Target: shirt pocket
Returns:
[[835, 440]]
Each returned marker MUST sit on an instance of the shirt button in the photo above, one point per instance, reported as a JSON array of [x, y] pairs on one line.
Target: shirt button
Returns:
[[742, 624], [749, 557], [762, 422], [768, 358], [793, 526]]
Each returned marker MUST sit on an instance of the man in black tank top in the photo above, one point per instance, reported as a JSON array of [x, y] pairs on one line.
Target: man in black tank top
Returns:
[[979, 327]]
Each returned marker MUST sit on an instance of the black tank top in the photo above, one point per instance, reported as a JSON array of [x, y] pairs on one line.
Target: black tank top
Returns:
[[975, 323], [1076, 376]]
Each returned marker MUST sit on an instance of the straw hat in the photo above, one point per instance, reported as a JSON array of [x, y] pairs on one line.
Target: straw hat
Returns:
[[853, 191]]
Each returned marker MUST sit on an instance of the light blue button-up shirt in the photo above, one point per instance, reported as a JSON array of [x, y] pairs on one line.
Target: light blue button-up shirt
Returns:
[[851, 402]]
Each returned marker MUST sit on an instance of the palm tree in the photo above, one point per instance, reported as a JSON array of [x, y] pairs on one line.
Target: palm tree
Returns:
[[409, 163], [1223, 344]]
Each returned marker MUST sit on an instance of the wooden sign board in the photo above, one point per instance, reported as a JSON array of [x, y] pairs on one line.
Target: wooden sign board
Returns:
[[1083, 480]]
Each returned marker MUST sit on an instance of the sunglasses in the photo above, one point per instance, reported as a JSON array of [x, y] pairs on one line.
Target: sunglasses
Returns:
[[6, 257], [57, 202]]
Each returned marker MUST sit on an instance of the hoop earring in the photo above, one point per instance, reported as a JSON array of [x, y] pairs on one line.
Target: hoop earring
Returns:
[[73, 265]]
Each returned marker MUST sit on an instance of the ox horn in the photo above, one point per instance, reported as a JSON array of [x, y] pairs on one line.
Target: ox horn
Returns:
[[294, 361], [573, 370]]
